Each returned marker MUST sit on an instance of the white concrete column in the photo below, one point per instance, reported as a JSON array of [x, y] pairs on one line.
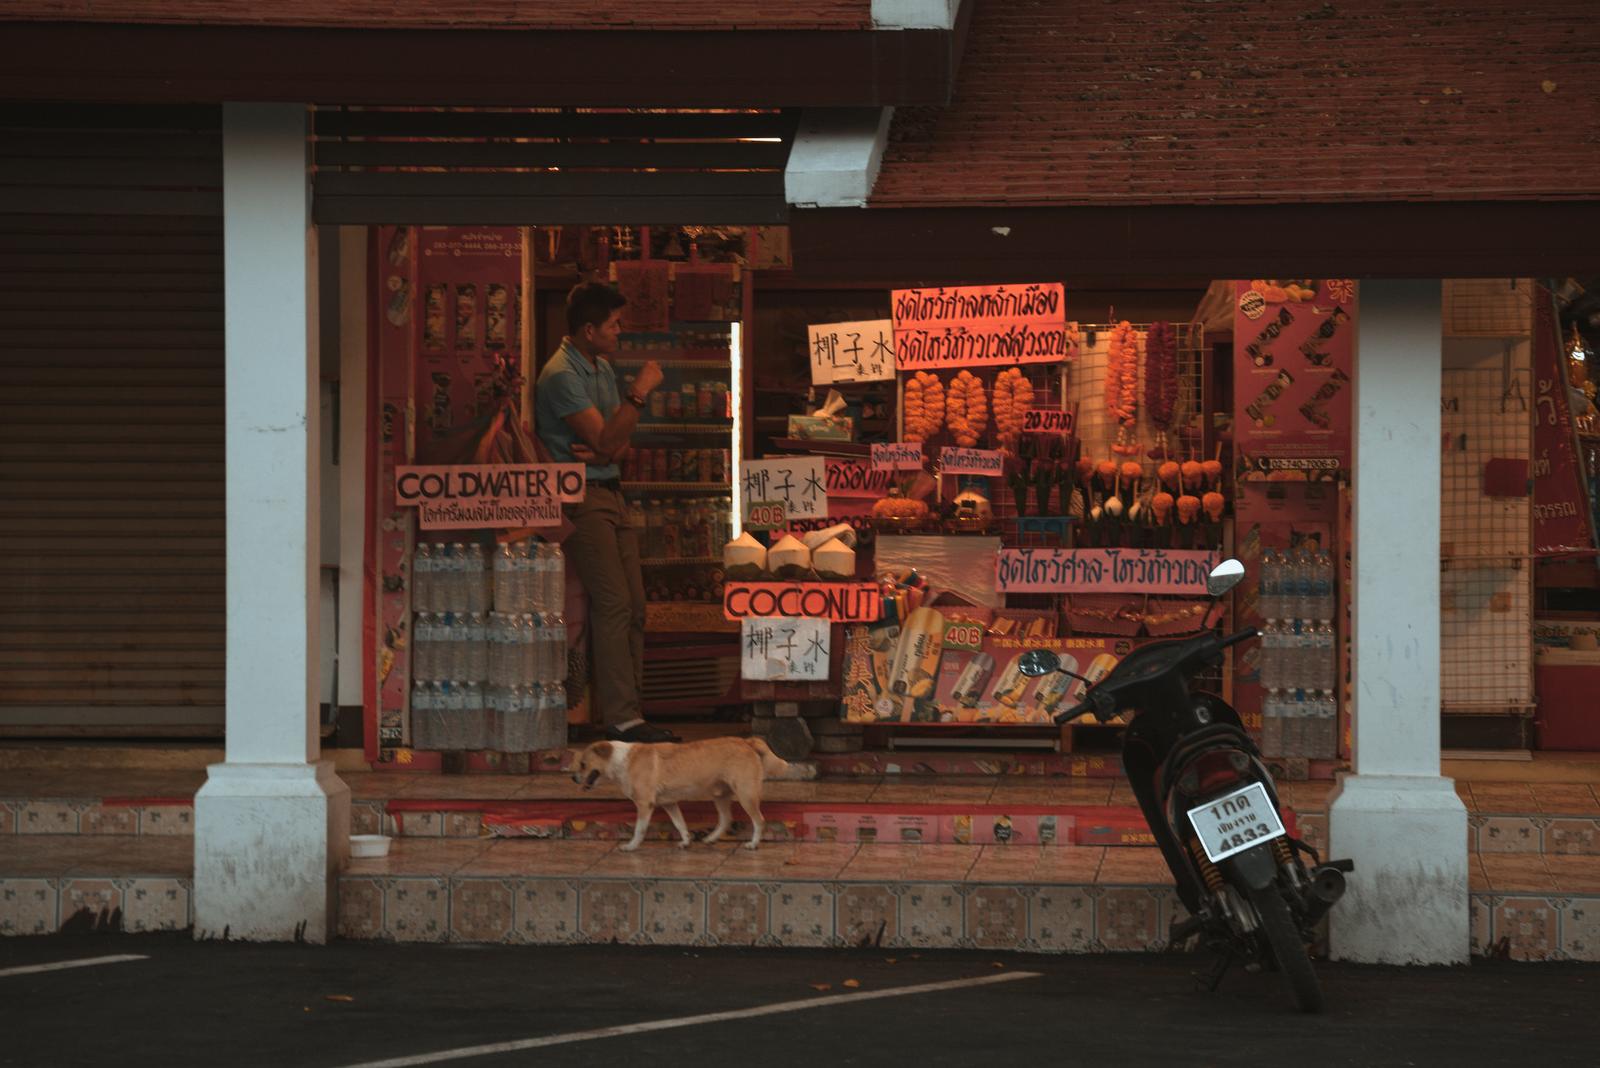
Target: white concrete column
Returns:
[[1396, 816], [836, 156], [272, 822]]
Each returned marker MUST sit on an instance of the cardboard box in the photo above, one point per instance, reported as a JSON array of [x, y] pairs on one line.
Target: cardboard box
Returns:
[[822, 428]]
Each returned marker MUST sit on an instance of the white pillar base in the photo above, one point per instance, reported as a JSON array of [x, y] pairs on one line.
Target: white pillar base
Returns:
[[269, 842], [1406, 901]]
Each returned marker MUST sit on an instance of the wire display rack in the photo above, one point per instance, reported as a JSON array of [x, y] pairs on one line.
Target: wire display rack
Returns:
[[1486, 574]]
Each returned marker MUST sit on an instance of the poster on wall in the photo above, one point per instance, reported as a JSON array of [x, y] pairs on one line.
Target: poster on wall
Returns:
[[468, 280], [1560, 507], [954, 670], [1293, 354]]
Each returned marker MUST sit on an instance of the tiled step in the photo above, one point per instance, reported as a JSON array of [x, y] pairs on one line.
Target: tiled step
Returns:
[[1029, 898]]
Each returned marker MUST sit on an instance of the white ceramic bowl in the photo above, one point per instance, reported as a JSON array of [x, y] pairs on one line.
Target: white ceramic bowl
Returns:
[[369, 845]]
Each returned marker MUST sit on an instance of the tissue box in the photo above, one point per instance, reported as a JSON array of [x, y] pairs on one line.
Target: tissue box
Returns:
[[822, 428]]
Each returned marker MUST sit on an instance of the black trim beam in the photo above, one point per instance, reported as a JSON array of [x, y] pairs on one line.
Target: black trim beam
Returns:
[[558, 68], [1112, 244], [578, 210]]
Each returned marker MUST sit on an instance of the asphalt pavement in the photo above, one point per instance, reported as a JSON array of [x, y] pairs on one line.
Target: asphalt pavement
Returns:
[[185, 1003]]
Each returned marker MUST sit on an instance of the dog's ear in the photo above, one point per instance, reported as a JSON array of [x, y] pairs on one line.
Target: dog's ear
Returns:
[[601, 750]]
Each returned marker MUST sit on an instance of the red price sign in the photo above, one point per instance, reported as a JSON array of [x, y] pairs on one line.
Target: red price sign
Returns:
[[766, 515], [1046, 421]]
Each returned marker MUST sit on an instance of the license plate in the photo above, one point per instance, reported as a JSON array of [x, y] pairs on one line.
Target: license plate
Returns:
[[1231, 824]]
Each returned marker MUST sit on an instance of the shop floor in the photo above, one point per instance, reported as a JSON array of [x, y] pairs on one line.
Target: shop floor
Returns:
[[1029, 898]]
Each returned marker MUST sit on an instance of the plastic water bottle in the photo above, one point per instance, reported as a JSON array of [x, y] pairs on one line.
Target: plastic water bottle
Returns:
[[1272, 723], [422, 577], [528, 652], [1305, 585], [504, 577], [1322, 656], [1271, 585], [558, 646], [421, 697], [1322, 585], [477, 668]]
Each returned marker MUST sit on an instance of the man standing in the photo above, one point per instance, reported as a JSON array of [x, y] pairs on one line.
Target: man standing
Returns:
[[582, 417]]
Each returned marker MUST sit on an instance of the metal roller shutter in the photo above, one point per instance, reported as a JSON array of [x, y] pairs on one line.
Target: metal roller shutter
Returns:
[[111, 421]]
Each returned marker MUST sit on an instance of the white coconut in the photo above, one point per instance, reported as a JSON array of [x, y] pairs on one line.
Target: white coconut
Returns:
[[789, 558], [744, 557], [834, 560]]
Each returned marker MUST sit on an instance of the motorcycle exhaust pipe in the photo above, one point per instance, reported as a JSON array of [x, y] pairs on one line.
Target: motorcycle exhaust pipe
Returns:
[[1327, 887]]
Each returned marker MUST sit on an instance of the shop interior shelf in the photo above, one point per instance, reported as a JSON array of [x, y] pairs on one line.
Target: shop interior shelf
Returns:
[[685, 428], [712, 361], [678, 561], [677, 487]]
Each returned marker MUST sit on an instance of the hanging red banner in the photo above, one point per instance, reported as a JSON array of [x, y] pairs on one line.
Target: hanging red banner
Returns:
[[1560, 507]]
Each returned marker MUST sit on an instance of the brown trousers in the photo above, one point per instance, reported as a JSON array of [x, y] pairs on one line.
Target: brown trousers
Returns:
[[605, 553]]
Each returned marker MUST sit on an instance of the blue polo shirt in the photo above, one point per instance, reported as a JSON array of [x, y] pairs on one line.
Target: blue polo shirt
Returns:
[[568, 384]]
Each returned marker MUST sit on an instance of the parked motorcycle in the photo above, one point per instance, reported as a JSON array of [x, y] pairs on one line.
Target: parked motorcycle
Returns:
[[1212, 805]]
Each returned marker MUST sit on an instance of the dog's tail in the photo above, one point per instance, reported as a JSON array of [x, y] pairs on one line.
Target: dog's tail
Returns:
[[775, 767]]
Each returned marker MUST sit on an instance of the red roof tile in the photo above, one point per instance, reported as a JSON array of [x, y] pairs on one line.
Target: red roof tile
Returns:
[[462, 14], [1063, 102]]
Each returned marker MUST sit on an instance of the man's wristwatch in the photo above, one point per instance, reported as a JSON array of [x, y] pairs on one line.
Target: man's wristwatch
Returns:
[[634, 399]]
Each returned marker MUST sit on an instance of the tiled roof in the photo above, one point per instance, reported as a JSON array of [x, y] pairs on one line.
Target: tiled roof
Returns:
[[462, 14], [1062, 102]]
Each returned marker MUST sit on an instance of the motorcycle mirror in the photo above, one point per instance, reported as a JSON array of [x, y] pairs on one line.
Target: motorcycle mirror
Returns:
[[1224, 577], [1036, 662]]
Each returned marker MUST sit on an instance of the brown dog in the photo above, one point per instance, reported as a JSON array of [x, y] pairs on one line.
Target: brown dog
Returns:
[[721, 769]]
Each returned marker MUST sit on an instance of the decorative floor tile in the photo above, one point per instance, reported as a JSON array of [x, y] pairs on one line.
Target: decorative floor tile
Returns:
[[109, 819], [1580, 928], [1503, 797], [546, 911], [1507, 834], [1313, 830], [1574, 874], [1134, 867], [167, 819], [1527, 927], [868, 914], [1564, 797], [802, 914], [1515, 872], [8, 818], [609, 910], [534, 857], [27, 906], [1477, 877], [674, 913], [360, 908], [1070, 864], [47, 817], [421, 824], [462, 824], [480, 910], [1572, 836], [93, 903], [932, 915], [1061, 919], [156, 905], [417, 910], [1480, 918], [1128, 919], [997, 916], [737, 914], [661, 860], [365, 818]]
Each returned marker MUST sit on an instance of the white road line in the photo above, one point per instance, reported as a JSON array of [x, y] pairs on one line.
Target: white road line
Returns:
[[62, 965], [689, 1021]]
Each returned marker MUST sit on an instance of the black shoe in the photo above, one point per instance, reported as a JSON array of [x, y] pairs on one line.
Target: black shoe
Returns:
[[648, 733]]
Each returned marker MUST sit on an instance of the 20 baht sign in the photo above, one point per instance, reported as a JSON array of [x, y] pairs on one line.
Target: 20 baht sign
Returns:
[[489, 495]]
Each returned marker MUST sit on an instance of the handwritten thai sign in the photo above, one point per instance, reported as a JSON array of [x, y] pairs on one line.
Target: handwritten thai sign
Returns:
[[791, 650], [1046, 421], [842, 602], [1167, 571], [796, 482], [957, 461], [897, 456], [488, 495], [856, 478], [979, 326], [851, 352]]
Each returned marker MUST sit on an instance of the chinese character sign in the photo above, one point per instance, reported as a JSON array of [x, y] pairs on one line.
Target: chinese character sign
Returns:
[[798, 483], [792, 650], [852, 352]]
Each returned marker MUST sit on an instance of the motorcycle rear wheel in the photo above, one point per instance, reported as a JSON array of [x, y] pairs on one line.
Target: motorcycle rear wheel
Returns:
[[1287, 948]]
